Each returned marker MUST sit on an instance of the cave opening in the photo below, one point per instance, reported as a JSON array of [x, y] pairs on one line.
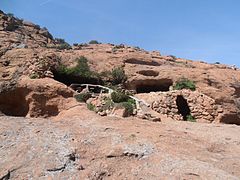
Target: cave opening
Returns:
[[230, 119], [183, 107], [13, 103], [147, 86], [69, 79]]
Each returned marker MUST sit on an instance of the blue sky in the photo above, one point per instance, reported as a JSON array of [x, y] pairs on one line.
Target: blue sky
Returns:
[[207, 30]]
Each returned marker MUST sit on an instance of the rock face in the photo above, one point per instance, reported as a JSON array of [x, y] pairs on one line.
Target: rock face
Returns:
[[27, 49], [88, 146], [36, 98]]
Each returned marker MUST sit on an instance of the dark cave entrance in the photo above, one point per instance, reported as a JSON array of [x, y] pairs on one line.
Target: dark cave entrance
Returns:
[[13, 103], [183, 107], [69, 79], [148, 86], [230, 119]]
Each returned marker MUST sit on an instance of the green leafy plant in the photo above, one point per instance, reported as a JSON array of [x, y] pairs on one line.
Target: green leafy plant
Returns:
[[118, 75], [81, 69], [34, 76], [83, 97], [190, 118], [184, 84], [91, 107], [119, 97], [128, 107]]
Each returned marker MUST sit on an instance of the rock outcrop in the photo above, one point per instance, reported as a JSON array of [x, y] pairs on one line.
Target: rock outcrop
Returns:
[[27, 49]]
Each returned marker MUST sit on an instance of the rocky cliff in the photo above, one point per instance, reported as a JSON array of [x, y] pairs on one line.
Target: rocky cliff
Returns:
[[29, 50]]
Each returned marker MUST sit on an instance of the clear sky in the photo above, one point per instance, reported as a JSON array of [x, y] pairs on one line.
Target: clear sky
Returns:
[[207, 30]]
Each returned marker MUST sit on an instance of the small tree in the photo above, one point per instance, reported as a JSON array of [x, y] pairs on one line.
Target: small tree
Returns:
[[118, 75]]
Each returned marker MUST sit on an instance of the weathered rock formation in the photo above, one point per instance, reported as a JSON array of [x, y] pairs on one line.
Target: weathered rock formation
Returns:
[[27, 49]]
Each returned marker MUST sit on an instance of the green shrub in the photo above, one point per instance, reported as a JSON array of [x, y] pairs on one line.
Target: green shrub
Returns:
[[191, 118], [108, 104], [10, 14], [118, 75], [128, 107], [132, 101], [83, 97], [94, 42], [91, 107], [62, 44], [81, 69], [185, 84], [173, 57], [119, 97], [34, 76]]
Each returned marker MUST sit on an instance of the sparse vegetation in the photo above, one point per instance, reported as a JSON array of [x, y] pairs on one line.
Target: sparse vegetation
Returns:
[[10, 14], [83, 97], [184, 83], [190, 118], [34, 76], [118, 75], [91, 107], [119, 97], [128, 106], [81, 69], [173, 57], [62, 44], [107, 105], [94, 42]]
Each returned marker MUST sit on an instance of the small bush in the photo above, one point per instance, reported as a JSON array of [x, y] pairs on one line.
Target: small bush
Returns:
[[81, 69], [108, 104], [10, 14], [119, 97], [34, 76], [190, 118], [91, 107], [94, 42], [185, 84], [128, 106], [132, 101], [173, 57], [62, 44], [83, 97], [118, 75]]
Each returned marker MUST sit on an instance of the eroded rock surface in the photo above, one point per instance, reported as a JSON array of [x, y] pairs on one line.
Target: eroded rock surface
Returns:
[[27, 49], [87, 146]]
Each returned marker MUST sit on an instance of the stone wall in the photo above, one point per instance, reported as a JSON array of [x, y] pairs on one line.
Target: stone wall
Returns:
[[202, 107]]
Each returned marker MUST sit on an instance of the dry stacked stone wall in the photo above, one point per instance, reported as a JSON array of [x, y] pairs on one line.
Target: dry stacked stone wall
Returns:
[[200, 106]]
